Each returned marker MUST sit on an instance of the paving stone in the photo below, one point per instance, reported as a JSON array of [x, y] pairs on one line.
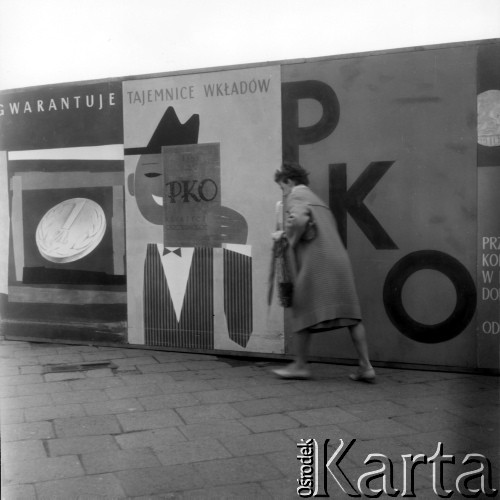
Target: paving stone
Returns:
[[156, 438], [187, 386], [467, 385], [316, 400], [482, 435], [223, 396], [19, 361], [21, 380], [433, 420], [21, 492], [271, 422], [322, 416], [108, 355], [132, 391], [25, 402], [481, 415], [100, 373], [429, 403], [9, 391], [366, 393], [320, 433], [147, 379], [77, 348], [286, 461], [42, 469], [263, 406], [114, 406], [376, 409], [247, 491], [192, 451], [160, 480], [281, 489], [136, 361], [105, 486], [96, 383], [22, 450], [87, 426], [374, 429], [255, 444], [221, 430], [25, 370], [92, 396], [60, 358], [208, 412], [236, 470], [80, 445], [273, 391], [490, 398], [57, 377], [45, 388], [231, 383], [52, 412], [205, 365], [9, 371], [11, 416], [145, 420], [168, 357], [31, 430], [453, 442], [398, 392], [193, 375], [168, 401], [163, 367], [240, 371], [104, 461]]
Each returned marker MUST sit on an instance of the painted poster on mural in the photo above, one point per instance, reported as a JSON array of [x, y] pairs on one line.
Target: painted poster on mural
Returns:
[[395, 157], [200, 152], [191, 195], [62, 165]]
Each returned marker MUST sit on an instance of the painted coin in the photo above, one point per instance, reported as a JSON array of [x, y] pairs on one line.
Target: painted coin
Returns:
[[70, 230]]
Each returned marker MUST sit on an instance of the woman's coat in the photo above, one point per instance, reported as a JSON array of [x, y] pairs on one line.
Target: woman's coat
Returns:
[[324, 286]]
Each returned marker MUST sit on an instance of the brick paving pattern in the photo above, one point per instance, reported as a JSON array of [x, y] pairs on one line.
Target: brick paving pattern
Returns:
[[161, 425]]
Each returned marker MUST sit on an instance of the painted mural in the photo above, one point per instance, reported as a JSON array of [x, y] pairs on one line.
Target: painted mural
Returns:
[[140, 210], [199, 150]]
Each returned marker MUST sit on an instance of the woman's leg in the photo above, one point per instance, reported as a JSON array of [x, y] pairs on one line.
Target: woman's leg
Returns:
[[298, 368], [358, 336], [302, 341]]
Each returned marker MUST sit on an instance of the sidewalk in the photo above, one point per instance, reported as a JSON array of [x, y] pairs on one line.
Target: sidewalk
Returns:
[[163, 425]]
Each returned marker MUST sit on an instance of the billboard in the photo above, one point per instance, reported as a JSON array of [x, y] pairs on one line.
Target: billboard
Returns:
[[140, 210]]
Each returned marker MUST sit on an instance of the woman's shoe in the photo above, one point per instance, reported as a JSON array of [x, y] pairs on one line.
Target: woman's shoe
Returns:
[[363, 376], [290, 372]]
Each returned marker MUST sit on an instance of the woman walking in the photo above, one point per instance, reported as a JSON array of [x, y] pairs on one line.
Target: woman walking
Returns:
[[324, 294]]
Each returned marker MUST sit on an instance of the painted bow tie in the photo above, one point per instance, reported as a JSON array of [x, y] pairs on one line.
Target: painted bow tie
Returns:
[[177, 251]]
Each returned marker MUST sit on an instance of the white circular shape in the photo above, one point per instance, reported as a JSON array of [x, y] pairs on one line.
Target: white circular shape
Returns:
[[488, 118], [70, 230]]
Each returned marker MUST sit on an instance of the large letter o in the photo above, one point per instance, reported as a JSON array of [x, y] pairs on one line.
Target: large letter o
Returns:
[[458, 275]]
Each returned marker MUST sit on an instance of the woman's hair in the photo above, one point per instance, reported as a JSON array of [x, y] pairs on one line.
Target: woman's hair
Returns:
[[292, 171]]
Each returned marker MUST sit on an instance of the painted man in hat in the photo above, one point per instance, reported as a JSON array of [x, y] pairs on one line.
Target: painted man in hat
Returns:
[[179, 293]]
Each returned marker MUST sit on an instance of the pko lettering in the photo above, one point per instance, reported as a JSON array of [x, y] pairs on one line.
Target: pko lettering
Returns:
[[186, 191]]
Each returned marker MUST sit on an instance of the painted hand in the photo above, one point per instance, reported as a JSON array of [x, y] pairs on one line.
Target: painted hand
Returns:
[[227, 225]]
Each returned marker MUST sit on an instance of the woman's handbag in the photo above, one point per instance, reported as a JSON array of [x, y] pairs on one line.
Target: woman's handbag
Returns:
[[310, 231]]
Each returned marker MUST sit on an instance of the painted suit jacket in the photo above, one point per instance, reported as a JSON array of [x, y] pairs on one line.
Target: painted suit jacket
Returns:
[[195, 328]]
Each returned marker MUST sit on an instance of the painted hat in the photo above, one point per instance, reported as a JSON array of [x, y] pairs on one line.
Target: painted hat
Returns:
[[170, 132]]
